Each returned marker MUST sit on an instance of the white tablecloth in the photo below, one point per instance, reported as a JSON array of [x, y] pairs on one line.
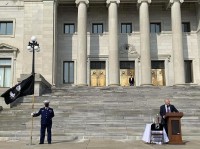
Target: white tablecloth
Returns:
[[147, 134]]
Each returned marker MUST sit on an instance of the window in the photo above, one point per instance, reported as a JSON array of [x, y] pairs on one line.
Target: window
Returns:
[[68, 76], [127, 65], [186, 27], [188, 71], [97, 28], [126, 28], [5, 72], [6, 27], [69, 28], [157, 65], [155, 27], [97, 65]]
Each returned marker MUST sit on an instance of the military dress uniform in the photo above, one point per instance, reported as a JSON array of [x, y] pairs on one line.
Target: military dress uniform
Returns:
[[47, 114]]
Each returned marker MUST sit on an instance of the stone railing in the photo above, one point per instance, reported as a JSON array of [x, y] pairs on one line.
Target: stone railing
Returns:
[[3, 105], [41, 85]]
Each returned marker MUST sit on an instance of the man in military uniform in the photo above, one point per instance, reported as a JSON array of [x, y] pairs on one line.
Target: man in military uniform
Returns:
[[47, 114]]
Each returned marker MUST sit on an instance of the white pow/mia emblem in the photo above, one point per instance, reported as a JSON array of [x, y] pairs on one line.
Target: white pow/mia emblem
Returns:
[[18, 88], [12, 95], [15, 92]]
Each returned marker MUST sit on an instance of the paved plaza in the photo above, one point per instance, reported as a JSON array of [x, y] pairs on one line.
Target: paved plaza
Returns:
[[96, 144]]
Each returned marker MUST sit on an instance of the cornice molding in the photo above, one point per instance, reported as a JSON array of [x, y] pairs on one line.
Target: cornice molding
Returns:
[[6, 47], [172, 1], [141, 1], [108, 2], [82, 1]]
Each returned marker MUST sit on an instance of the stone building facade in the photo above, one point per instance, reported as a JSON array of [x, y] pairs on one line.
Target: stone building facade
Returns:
[[101, 42]]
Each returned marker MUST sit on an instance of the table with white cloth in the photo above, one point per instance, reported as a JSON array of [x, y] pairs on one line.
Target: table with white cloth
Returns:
[[147, 135]]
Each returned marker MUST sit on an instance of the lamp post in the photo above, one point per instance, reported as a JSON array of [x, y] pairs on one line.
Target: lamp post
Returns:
[[32, 46]]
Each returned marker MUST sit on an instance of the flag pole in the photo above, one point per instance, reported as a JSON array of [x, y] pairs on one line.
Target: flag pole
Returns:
[[31, 138], [32, 45]]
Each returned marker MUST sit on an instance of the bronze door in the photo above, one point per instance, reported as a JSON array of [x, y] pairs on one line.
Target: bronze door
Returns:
[[97, 73], [98, 77], [158, 77]]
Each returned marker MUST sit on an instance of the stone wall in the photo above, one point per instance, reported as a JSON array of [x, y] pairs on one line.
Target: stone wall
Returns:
[[38, 21], [30, 18], [14, 12]]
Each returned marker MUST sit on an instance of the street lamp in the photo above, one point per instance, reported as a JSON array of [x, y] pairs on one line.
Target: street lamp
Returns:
[[32, 46]]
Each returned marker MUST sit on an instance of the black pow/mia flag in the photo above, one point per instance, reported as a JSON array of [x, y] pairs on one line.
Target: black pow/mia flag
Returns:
[[26, 87]]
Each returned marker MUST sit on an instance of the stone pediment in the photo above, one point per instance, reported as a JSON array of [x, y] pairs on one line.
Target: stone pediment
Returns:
[[7, 48]]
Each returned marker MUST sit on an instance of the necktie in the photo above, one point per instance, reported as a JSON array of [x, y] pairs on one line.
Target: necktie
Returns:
[[168, 110]]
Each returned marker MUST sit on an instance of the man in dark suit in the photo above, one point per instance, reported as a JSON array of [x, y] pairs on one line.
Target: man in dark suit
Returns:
[[166, 108], [131, 81], [47, 114]]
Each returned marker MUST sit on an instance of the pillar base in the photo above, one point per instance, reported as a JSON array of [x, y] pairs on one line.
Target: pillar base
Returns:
[[146, 85], [81, 85], [179, 85], [113, 85]]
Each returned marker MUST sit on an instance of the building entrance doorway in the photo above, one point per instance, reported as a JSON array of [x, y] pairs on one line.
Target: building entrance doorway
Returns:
[[127, 68], [97, 73], [158, 73]]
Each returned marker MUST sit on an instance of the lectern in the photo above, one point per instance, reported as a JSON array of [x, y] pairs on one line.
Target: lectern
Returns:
[[174, 127]]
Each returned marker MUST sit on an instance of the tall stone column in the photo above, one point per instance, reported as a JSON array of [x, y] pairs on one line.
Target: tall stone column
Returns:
[[113, 42], [177, 42], [54, 78], [145, 42], [82, 42]]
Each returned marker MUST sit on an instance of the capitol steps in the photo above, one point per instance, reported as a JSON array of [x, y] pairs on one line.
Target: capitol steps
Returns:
[[108, 112]]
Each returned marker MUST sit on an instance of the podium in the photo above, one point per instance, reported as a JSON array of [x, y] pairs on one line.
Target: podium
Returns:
[[174, 127]]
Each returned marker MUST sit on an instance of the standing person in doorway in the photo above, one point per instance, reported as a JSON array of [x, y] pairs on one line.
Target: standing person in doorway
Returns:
[[131, 81], [47, 114]]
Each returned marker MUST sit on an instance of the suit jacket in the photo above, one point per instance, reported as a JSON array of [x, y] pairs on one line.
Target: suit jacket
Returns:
[[131, 81], [46, 115], [163, 112]]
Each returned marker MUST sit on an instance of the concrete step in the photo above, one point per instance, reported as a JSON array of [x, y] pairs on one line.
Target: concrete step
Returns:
[[105, 112]]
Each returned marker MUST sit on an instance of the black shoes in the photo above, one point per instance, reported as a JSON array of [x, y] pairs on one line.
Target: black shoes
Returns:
[[43, 143]]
